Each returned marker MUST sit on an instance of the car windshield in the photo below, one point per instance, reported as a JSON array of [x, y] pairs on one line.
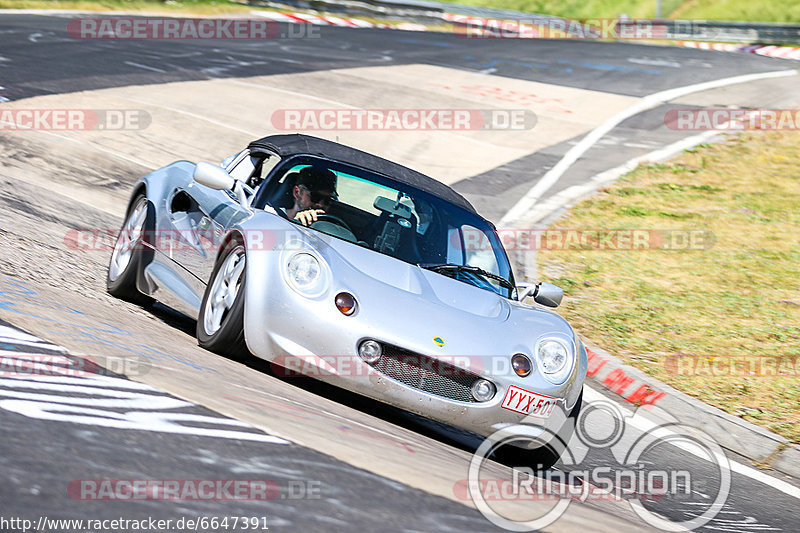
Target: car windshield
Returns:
[[401, 221]]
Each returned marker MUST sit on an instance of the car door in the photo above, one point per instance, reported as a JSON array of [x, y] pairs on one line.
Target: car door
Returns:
[[198, 217], [201, 216]]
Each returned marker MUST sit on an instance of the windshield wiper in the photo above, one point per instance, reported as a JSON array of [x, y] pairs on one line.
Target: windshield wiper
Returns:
[[467, 268]]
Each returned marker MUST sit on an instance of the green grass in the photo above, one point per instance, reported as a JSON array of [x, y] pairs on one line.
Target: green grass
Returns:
[[205, 7], [736, 298], [743, 10]]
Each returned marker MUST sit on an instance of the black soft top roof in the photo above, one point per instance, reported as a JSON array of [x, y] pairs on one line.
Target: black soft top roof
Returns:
[[296, 144]]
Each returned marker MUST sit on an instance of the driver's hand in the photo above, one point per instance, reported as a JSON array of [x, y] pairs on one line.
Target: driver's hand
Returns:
[[309, 216]]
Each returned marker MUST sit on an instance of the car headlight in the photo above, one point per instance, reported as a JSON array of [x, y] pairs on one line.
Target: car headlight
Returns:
[[555, 359], [370, 351], [304, 273], [483, 390]]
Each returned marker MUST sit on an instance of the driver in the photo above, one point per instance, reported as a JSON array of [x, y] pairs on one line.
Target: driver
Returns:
[[313, 193]]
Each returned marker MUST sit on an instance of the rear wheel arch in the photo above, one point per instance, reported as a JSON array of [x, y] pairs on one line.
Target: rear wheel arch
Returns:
[[127, 261], [140, 190]]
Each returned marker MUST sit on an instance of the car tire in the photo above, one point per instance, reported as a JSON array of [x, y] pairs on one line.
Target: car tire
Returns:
[[544, 458], [130, 254], [220, 324]]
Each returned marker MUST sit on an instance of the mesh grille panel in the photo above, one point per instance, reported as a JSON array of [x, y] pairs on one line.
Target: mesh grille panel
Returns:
[[426, 374]]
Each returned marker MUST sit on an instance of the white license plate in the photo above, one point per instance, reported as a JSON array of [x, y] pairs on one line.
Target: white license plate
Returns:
[[528, 403]]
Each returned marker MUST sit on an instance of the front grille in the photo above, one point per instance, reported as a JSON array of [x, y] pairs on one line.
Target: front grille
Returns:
[[426, 373]]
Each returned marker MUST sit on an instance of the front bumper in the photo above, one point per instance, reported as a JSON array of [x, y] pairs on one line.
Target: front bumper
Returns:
[[309, 335]]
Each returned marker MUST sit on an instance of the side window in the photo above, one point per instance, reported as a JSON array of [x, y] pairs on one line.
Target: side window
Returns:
[[268, 162], [467, 245], [455, 247], [244, 168], [254, 168]]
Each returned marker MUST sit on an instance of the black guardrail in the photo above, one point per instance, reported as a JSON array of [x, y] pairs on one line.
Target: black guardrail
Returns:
[[428, 10], [413, 12], [723, 31]]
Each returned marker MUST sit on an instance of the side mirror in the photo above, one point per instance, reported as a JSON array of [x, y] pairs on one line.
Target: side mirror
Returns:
[[543, 293], [548, 294], [213, 176], [217, 178], [524, 290]]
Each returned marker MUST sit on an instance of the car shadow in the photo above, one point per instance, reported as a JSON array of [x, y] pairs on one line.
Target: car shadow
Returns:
[[446, 434], [510, 456]]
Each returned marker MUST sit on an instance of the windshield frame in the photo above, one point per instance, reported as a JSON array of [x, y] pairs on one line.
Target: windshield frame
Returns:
[[271, 186]]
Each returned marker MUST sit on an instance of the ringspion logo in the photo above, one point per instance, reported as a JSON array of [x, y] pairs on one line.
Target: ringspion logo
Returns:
[[633, 477]]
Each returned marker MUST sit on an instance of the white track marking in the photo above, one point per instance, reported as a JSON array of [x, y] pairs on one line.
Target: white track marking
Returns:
[[574, 193], [188, 114], [16, 334], [524, 205], [92, 146], [145, 67], [645, 425], [340, 104], [22, 342], [293, 93], [99, 149], [564, 198]]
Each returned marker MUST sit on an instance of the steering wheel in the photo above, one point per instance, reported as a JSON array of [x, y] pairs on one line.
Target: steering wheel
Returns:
[[324, 217], [330, 219]]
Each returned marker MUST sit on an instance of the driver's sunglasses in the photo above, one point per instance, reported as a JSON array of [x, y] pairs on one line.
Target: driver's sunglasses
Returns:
[[319, 197]]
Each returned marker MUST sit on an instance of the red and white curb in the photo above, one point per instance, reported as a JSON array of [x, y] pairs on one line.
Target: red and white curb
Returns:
[[328, 20], [782, 52]]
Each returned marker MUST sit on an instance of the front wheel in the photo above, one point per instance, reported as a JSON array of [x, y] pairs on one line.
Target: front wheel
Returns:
[[220, 326], [543, 458], [130, 254]]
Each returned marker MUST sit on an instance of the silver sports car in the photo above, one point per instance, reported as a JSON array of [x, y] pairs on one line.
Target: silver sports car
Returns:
[[338, 264]]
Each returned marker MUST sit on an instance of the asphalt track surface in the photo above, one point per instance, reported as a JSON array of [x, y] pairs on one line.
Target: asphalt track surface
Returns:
[[64, 303], [307, 490]]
